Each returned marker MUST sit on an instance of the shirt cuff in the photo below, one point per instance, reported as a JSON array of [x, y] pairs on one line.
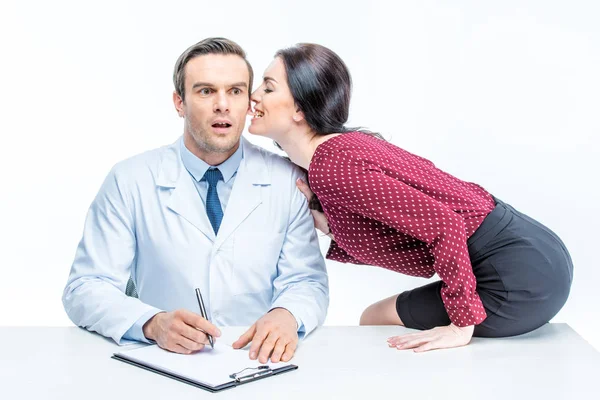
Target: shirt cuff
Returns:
[[474, 314], [336, 253], [136, 332], [301, 331]]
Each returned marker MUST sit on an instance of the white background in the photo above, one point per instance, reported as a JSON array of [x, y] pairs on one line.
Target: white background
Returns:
[[505, 94]]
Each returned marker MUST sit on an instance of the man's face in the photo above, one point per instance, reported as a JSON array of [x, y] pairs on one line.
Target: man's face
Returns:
[[216, 103]]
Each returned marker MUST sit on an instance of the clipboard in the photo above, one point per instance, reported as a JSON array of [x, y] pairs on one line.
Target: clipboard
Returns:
[[205, 371]]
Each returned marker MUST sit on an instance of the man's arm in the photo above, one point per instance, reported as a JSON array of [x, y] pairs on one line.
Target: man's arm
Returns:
[[94, 297], [301, 286], [300, 290]]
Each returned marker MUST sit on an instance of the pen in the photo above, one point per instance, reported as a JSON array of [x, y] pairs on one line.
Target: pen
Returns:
[[203, 314]]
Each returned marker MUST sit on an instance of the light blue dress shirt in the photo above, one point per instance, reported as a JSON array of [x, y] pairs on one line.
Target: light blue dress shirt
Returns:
[[197, 168]]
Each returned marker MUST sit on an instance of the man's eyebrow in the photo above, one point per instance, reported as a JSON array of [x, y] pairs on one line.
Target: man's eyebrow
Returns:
[[199, 84], [206, 84]]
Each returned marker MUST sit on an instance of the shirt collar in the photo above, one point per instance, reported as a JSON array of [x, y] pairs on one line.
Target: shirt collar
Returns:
[[197, 167]]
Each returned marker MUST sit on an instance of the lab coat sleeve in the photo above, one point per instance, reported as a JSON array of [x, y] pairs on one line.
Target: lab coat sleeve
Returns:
[[301, 285], [94, 297]]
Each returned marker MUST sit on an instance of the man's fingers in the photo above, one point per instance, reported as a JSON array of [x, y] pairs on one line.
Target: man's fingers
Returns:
[[245, 338], [189, 344], [267, 347], [290, 349], [195, 336], [197, 321], [192, 333], [278, 351], [257, 342], [176, 348]]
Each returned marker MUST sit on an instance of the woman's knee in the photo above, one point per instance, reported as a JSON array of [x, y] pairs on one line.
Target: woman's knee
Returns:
[[381, 313], [523, 317]]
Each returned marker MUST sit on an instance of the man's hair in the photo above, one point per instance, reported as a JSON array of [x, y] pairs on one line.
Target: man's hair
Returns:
[[215, 45]]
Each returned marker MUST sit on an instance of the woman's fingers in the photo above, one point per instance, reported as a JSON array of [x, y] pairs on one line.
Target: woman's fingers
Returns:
[[432, 345], [415, 342], [394, 340], [303, 187]]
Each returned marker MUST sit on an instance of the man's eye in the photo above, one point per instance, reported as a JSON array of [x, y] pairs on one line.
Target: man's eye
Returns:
[[204, 91], [236, 91]]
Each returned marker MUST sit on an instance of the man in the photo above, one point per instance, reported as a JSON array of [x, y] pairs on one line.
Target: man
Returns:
[[210, 211]]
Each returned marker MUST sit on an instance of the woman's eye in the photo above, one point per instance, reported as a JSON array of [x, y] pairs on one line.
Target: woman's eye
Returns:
[[267, 90]]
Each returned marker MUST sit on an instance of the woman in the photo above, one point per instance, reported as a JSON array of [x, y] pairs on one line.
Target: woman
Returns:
[[502, 273]]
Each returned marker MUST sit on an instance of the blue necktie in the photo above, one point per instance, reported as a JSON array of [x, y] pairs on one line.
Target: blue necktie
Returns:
[[213, 204]]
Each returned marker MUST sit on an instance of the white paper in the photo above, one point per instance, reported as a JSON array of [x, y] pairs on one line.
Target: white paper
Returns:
[[210, 367]]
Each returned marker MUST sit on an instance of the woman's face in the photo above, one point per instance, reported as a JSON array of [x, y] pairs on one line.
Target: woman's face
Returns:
[[274, 108]]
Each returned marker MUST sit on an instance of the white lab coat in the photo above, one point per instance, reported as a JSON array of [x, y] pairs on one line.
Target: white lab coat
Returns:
[[148, 222]]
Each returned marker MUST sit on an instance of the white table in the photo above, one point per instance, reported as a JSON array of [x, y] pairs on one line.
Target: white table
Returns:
[[553, 362]]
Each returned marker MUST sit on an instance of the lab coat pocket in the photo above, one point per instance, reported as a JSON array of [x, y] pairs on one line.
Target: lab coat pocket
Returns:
[[256, 256]]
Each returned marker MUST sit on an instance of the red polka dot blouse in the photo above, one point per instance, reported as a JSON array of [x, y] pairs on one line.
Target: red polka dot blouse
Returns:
[[390, 208]]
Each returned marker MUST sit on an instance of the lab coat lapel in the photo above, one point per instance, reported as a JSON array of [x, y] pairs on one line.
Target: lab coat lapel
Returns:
[[184, 199], [245, 196]]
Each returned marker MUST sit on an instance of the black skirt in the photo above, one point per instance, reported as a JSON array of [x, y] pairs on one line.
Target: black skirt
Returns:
[[523, 273]]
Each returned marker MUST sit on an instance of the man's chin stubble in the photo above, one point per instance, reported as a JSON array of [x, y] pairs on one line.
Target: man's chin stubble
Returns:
[[210, 146]]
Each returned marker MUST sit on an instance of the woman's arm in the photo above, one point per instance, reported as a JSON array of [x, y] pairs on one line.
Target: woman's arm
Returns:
[[364, 189]]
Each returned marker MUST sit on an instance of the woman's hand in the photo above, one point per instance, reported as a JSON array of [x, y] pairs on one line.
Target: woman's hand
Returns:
[[319, 217], [441, 337]]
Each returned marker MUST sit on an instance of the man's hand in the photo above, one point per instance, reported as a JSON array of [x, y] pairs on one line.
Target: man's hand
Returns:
[[179, 331], [277, 332]]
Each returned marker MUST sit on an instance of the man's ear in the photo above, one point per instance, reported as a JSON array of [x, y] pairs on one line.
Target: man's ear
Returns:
[[178, 102]]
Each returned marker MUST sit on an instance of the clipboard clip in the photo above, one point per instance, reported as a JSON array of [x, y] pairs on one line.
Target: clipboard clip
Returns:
[[249, 374]]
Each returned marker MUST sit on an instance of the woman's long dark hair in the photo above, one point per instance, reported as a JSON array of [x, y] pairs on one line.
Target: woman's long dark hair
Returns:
[[321, 86]]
